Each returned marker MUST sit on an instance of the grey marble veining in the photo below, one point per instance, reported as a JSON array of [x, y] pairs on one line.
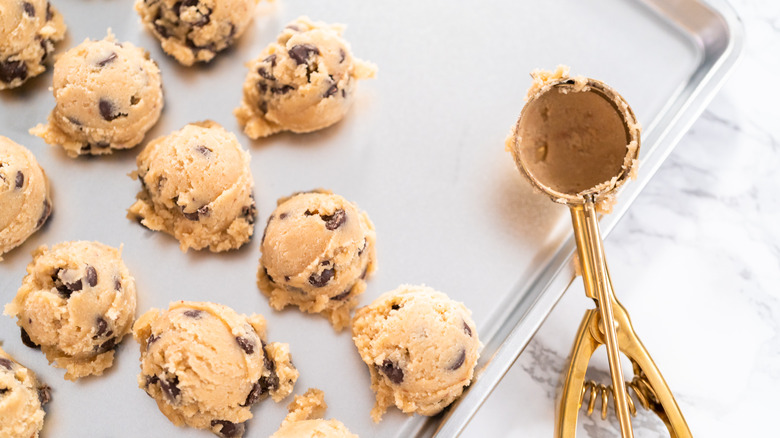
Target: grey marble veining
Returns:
[[696, 262]]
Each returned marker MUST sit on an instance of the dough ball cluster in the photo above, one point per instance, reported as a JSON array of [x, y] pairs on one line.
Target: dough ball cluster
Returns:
[[28, 31], [108, 95], [195, 30], [420, 347], [317, 250], [76, 303], [196, 185], [24, 195], [303, 82], [206, 365]]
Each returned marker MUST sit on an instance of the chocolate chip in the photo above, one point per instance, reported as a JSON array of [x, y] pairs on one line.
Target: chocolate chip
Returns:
[[73, 287], [101, 144], [228, 429], [321, 279], [206, 152], [3, 390], [249, 212], [108, 111], [193, 313], [392, 371], [342, 295], [331, 91], [247, 345], [105, 346], [262, 87], [134, 100], [363, 248], [117, 284], [365, 272], [195, 215], [343, 55], [28, 8], [91, 276], [284, 89], [10, 70], [7, 364], [293, 27], [335, 220], [102, 328], [19, 179], [343, 92], [265, 73], [49, 13], [151, 340], [170, 388], [160, 27], [45, 214], [271, 58], [109, 59], [151, 380], [395, 306], [467, 329], [282, 216], [254, 394], [44, 394], [458, 361], [301, 52], [26, 339]]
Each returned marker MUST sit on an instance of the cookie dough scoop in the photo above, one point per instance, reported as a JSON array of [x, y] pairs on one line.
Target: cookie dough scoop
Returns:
[[22, 397], [305, 419], [76, 303], [24, 195], [577, 140], [28, 31]]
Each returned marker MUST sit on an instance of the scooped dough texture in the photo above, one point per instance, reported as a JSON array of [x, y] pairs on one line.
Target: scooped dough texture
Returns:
[[196, 185], [195, 30], [206, 365], [28, 31], [420, 347], [305, 419], [108, 95], [77, 302], [303, 82], [24, 195], [21, 400], [318, 249]]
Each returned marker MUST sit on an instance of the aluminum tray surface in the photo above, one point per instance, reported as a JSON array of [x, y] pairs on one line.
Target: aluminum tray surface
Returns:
[[421, 151]]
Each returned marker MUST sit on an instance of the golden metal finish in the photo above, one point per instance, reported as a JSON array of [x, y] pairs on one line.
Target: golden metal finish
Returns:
[[608, 324]]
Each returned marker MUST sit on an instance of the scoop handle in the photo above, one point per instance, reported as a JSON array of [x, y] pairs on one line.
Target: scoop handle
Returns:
[[590, 250]]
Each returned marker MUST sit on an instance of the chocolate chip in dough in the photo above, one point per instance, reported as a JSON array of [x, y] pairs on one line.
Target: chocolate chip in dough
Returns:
[[6, 363], [193, 313], [392, 371], [246, 345], [29, 9], [108, 111], [91, 276], [228, 429], [335, 220], [11, 70], [27, 341], [301, 52], [458, 362], [19, 180], [107, 60], [170, 388], [321, 279]]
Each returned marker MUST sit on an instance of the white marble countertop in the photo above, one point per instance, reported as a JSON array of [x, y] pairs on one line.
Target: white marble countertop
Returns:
[[696, 262]]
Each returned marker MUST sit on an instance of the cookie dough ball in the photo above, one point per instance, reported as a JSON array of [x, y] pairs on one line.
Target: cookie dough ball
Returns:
[[195, 30], [420, 347], [108, 95], [28, 31], [22, 398], [206, 365], [305, 419], [77, 302], [197, 186], [318, 249], [24, 195], [303, 82]]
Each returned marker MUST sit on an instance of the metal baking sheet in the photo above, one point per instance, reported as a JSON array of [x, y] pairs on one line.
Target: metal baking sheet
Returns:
[[421, 151]]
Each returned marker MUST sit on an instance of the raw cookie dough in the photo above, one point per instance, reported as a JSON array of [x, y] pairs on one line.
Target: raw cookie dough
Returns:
[[77, 302], [303, 82], [206, 365], [24, 195], [420, 347], [28, 31], [305, 419], [107, 94], [195, 30], [21, 400], [197, 186], [318, 248]]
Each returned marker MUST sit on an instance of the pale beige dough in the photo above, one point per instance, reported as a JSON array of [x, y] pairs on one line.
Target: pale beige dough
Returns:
[[22, 398], [317, 250], [420, 347], [107, 96], [28, 31], [196, 30], [77, 302], [305, 419], [303, 82], [196, 185], [24, 195], [206, 365]]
